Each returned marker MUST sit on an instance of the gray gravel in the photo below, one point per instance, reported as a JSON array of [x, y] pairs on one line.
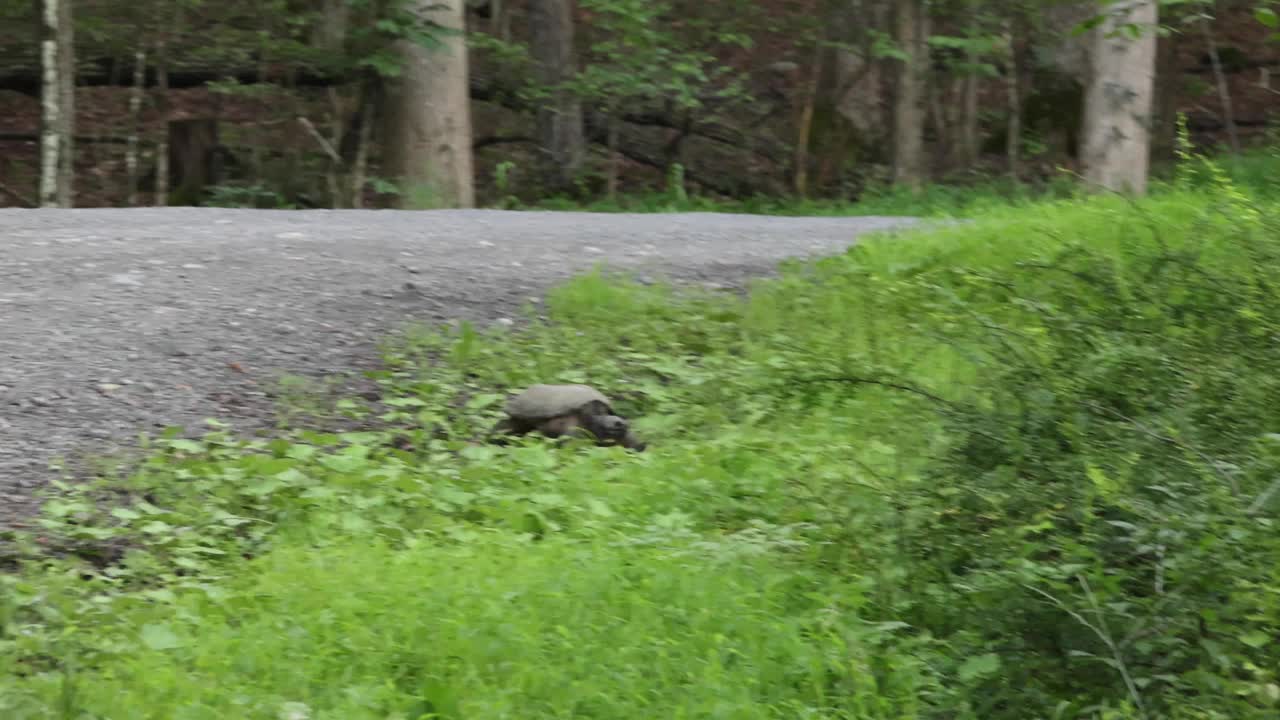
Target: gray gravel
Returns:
[[115, 322]]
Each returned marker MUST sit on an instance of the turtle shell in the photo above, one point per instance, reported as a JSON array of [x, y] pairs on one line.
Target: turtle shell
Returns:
[[543, 402]]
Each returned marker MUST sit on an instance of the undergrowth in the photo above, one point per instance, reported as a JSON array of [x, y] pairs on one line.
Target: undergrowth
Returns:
[[1254, 171], [1025, 467]]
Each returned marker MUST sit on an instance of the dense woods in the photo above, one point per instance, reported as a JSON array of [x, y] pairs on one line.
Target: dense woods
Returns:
[[352, 103]]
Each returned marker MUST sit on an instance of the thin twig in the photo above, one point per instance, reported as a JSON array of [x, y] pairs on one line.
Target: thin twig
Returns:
[[1110, 643], [25, 200], [856, 380], [320, 139], [1102, 633], [1231, 482], [1256, 506]]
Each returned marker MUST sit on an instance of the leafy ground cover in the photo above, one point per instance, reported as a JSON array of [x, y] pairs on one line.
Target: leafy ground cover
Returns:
[[1023, 467]]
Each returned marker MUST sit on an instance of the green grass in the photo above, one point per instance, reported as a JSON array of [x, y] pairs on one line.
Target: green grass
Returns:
[[1253, 170], [497, 629], [998, 470]]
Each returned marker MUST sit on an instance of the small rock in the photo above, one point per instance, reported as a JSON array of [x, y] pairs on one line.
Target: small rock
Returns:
[[106, 388], [126, 279]]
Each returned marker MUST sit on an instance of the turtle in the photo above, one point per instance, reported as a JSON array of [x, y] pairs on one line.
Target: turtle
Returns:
[[567, 410]]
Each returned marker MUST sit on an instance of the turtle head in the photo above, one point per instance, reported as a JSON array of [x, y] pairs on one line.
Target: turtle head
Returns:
[[613, 430], [610, 428]]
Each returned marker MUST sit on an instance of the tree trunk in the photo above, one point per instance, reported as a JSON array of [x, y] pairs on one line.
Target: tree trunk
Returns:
[[500, 20], [908, 104], [1224, 92], [427, 146], [1117, 109], [805, 130], [57, 103], [1013, 129], [560, 130], [192, 157], [1165, 119], [135, 116], [162, 102], [1015, 88], [615, 158], [360, 163], [67, 88], [331, 31], [970, 138]]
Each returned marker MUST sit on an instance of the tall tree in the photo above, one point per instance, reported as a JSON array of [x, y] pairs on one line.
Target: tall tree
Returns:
[[911, 33], [1118, 98], [331, 29], [57, 58], [427, 145], [560, 129]]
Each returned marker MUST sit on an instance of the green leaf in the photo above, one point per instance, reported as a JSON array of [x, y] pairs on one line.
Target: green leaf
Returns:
[[404, 402], [1105, 485], [478, 453], [1267, 16], [1088, 25], [190, 446], [300, 452], [160, 637], [1256, 639], [480, 402], [980, 666], [292, 476]]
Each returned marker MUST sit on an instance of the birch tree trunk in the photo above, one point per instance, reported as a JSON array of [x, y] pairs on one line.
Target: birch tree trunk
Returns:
[[560, 130], [1118, 99], [427, 148], [910, 32], [57, 100]]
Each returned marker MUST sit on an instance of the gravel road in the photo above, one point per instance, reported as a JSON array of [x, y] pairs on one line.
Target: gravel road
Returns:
[[115, 321]]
